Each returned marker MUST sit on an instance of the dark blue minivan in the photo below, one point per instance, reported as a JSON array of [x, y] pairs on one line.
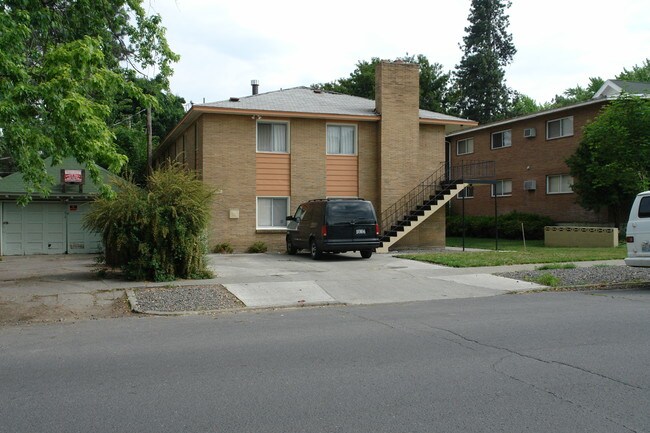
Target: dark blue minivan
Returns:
[[333, 226]]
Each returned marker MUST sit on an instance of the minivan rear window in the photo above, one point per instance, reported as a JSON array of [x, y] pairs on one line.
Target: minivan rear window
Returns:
[[350, 211], [644, 207]]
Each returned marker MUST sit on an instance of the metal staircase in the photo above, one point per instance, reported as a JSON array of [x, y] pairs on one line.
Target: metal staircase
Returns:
[[427, 198]]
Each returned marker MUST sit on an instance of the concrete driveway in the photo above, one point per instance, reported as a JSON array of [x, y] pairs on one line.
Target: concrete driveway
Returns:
[[259, 280], [269, 280]]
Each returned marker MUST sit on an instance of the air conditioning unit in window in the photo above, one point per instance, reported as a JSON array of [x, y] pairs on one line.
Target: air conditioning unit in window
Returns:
[[530, 185], [530, 132]]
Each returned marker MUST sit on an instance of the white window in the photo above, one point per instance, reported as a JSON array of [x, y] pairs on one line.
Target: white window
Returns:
[[466, 193], [559, 184], [341, 140], [272, 137], [501, 139], [272, 212], [463, 147], [559, 128], [502, 188]]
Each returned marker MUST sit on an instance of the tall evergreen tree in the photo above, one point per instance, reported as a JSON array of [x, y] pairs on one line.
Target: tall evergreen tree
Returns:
[[480, 90]]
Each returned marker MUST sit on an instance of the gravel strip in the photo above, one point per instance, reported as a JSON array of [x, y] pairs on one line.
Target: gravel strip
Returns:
[[590, 276], [186, 298]]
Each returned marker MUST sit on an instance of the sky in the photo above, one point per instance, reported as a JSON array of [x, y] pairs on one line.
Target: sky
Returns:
[[284, 43]]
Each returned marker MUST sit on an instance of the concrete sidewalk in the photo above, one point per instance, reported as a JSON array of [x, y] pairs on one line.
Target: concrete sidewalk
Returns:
[[264, 280]]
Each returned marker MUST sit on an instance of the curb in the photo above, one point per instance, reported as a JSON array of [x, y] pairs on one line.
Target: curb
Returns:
[[135, 307]]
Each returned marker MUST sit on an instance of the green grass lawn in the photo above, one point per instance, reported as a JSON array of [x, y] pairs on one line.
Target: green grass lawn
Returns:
[[513, 253]]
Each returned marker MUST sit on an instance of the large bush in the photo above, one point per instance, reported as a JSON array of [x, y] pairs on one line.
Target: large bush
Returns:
[[509, 226], [156, 233]]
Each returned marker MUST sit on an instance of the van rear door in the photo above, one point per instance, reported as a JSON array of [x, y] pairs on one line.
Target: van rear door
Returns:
[[638, 232], [350, 221]]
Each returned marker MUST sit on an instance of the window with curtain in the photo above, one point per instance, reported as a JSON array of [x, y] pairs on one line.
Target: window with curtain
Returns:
[[501, 139], [502, 188], [559, 128], [341, 140], [467, 192], [272, 137], [272, 212], [463, 147], [559, 184]]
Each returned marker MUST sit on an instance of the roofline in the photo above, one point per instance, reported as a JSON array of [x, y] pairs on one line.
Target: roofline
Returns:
[[531, 116], [197, 110]]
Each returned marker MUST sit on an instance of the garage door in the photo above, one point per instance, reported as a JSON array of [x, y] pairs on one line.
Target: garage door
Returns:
[[46, 228]]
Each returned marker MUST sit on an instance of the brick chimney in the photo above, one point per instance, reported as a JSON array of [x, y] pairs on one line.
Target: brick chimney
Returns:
[[397, 99]]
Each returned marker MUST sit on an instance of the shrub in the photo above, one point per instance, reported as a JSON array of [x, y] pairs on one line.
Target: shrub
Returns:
[[257, 247], [157, 233], [223, 248], [509, 225]]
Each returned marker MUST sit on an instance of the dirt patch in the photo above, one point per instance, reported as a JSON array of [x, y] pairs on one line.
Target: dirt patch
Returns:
[[13, 313]]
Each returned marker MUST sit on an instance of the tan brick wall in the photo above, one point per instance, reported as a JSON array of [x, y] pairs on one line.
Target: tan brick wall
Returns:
[[369, 162], [397, 88], [229, 159], [409, 152], [528, 159], [229, 167]]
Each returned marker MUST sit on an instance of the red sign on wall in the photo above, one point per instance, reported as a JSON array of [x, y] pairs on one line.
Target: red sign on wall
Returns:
[[73, 176]]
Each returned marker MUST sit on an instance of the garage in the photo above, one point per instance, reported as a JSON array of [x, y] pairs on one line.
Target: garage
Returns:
[[52, 224], [46, 228]]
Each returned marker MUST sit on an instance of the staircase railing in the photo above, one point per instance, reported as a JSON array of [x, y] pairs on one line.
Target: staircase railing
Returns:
[[429, 187]]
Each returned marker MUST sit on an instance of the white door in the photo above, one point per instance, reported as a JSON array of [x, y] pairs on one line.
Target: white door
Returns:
[[79, 239], [38, 228]]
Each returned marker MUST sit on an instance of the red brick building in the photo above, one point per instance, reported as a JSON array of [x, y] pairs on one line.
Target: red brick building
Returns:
[[530, 169]]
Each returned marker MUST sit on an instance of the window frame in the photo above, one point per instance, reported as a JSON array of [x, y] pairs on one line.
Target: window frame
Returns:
[[562, 134], [561, 183], [466, 140], [284, 217], [509, 131], [356, 138], [273, 122], [468, 190], [494, 187]]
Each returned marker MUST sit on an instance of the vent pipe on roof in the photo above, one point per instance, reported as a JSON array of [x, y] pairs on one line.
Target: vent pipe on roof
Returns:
[[256, 85]]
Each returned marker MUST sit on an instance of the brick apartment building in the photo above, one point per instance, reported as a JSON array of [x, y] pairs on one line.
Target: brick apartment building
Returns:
[[530, 155], [266, 153]]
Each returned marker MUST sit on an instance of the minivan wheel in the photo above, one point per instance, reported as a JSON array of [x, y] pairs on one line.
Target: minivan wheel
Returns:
[[366, 254], [314, 251], [291, 250]]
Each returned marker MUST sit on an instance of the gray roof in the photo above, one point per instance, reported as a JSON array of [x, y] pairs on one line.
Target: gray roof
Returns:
[[633, 87], [306, 100]]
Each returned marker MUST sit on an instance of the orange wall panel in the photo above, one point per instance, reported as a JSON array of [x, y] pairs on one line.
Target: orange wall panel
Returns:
[[342, 176], [273, 174]]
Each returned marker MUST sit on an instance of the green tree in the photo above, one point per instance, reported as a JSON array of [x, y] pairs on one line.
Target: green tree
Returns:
[[480, 90], [637, 73], [434, 83], [129, 124], [63, 67], [522, 105], [574, 95], [612, 162]]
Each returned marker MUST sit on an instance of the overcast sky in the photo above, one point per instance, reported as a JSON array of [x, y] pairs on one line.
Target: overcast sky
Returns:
[[225, 44]]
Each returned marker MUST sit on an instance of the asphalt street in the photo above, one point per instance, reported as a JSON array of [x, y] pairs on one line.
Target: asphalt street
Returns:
[[560, 362]]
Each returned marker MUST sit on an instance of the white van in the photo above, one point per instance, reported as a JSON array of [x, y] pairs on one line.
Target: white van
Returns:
[[638, 232]]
